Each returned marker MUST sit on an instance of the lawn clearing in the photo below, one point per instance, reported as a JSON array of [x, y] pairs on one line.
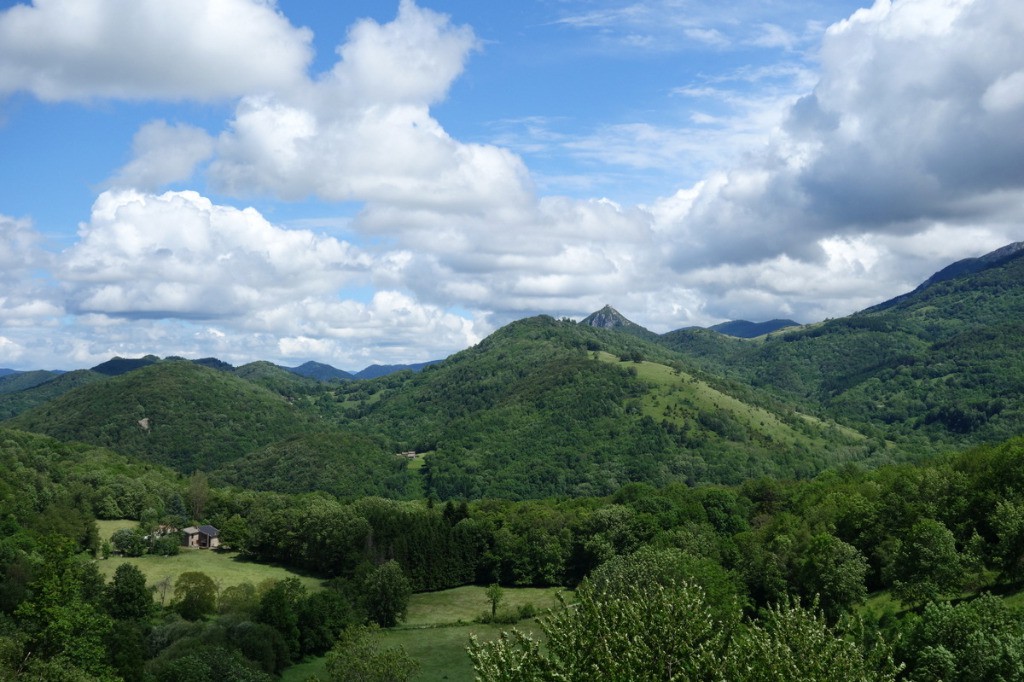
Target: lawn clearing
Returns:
[[108, 528], [225, 568], [436, 632], [440, 651], [464, 604]]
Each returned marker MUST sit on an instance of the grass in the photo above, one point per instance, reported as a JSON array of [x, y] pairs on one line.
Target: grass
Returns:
[[678, 397], [436, 631], [108, 528], [224, 567], [431, 609]]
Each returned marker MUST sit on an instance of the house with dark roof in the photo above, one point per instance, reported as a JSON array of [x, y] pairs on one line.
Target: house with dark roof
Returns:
[[204, 537]]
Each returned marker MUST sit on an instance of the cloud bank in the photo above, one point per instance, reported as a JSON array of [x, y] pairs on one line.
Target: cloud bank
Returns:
[[856, 181]]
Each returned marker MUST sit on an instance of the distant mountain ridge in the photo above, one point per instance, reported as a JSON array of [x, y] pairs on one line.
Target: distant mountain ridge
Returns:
[[960, 268], [321, 372], [547, 407], [375, 371], [748, 330], [610, 318]]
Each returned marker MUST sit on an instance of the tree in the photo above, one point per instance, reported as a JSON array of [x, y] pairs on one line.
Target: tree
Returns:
[[126, 644], [129, 541], [789, 642], [927, 565], [322, 617], [359, 657], [973, 641], [127, 596], [195, 595], [635, 621], [62, 620], [495, 595], [629, 632], [387, 593], [1008, 522], [279, 608], [238, 599], [198, 494], [834, 571]]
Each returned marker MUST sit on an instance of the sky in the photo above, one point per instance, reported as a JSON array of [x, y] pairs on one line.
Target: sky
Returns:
[[390, 182]]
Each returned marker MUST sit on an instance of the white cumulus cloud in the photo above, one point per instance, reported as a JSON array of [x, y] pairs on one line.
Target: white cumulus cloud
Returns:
[[911, 127], [185, 49], [163, 154], [180, 255]]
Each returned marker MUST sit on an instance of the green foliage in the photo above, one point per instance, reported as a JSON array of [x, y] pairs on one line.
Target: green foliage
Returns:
[[195, 595], [1008, 523], [834, 572], [636, 622], [174, 412], [345, 464], [129, 541], [279, 608], [21, 392], [927, 564], [63, 619], [788, 642], [935, 367], [495, 595], [359, 657], [127, 597], [973, 641], [386, 593]]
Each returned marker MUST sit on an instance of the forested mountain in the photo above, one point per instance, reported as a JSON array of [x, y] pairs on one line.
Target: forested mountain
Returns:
[[12, 382], [552, 407], [375, 371], [19, 399], [748, 330], [320, 372], [549, 407], [172, 412], [936, 367]]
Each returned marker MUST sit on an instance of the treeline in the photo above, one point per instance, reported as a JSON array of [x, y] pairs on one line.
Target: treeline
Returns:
[[934, 536]]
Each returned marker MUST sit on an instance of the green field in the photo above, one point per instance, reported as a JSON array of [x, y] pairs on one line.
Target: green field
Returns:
[[225, 568], [436, 632]]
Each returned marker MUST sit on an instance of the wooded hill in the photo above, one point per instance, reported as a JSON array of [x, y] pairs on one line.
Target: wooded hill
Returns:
[[552, 407]]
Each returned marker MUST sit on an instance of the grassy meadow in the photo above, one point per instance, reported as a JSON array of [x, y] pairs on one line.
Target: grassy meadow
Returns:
[[224, 567], [437, 629]]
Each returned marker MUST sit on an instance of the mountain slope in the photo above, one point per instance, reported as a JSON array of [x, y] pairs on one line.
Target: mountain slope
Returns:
[[320, 372], [748, 330], [937, 367], [610, 318], [16, 402], [375, 371], [173, 412], [545, 407]]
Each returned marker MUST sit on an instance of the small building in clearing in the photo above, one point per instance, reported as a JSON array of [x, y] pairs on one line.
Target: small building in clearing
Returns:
[[204, 537]]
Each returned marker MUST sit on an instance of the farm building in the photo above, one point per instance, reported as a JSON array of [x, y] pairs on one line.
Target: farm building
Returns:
[[204, 537]]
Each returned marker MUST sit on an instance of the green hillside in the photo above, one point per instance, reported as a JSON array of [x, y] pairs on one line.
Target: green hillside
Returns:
[[344, 464], [19, 396], [547, 407], [934, 368], [173, 412]]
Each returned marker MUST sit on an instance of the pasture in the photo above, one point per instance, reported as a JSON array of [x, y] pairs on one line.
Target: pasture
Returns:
[[436, 632]]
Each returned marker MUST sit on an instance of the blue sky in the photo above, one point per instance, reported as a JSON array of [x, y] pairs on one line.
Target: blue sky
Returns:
[[369, 182]]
